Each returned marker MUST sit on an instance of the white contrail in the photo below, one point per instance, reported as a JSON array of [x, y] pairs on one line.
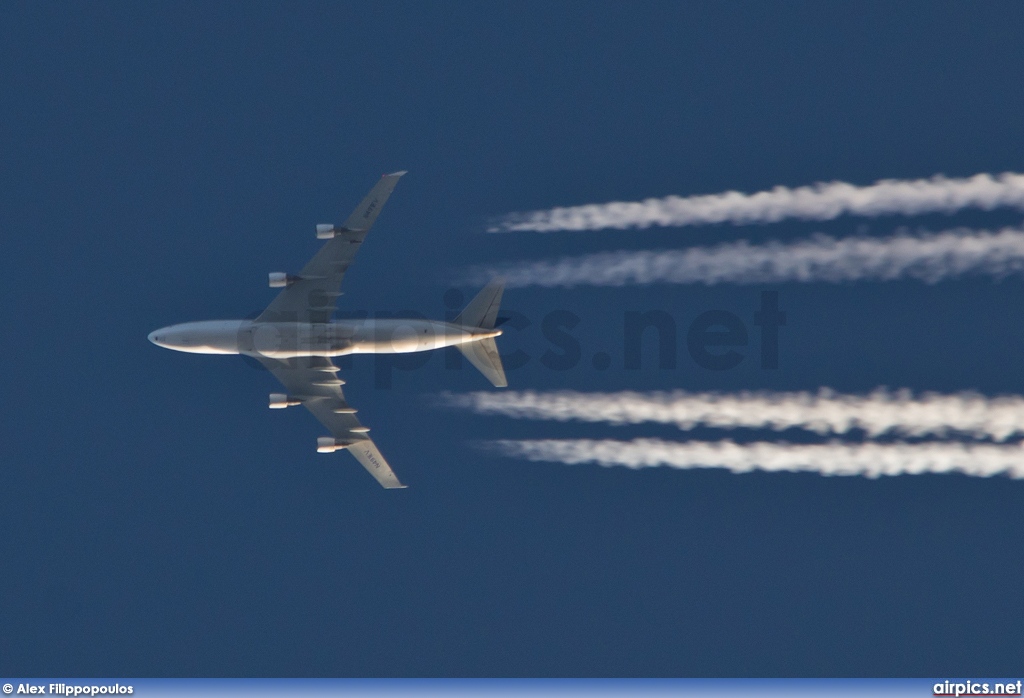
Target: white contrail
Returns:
[[868, 459], [882, 412], [819, 202], [929, 257]]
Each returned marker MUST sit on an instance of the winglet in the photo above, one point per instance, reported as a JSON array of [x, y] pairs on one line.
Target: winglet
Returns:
[[397, 174]]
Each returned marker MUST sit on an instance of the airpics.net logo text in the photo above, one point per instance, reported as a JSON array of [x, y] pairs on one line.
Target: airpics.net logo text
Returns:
[[715, 340], [977, 688]]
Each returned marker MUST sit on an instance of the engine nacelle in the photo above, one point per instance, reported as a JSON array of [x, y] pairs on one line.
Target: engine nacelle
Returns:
[[278, 401], [325, 231], [278, 279], [329, 444]]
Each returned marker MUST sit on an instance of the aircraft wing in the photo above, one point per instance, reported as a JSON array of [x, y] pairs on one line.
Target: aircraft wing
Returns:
[[311, 296], [314, 381]]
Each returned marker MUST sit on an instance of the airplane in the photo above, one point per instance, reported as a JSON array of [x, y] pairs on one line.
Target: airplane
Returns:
[[296, 337]]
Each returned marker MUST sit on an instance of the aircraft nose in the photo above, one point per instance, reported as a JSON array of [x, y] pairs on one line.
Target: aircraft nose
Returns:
[[154, 337]]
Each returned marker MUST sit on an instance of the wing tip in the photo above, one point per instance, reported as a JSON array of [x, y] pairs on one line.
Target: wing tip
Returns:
[[397, 174]]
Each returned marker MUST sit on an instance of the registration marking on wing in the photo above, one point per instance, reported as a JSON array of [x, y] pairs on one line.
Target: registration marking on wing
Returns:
[[372, 458]]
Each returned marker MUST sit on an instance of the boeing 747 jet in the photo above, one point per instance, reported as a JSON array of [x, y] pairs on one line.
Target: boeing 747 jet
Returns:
[[296, 336]]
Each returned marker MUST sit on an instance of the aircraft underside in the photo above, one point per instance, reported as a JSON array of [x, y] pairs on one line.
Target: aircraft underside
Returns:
[[295, 337]]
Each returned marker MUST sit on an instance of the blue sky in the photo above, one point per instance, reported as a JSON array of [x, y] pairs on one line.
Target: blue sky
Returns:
[[158, 161]]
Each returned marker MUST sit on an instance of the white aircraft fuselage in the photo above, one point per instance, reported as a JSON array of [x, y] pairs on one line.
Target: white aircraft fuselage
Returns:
[[295, 339], [288, 340]]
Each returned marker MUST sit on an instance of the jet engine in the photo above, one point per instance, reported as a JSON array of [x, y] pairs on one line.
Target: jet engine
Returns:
[[278, 401], [278, 279], [325, 231], [329, 444]]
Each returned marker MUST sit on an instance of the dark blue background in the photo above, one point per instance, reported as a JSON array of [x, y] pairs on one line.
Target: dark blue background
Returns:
[[157, 161]]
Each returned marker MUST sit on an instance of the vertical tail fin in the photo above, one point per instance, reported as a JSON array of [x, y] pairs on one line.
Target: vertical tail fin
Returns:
[[481, 313]]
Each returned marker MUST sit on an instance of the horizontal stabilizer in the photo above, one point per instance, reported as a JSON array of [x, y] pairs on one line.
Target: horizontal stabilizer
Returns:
[[482, 310], [483, 353]]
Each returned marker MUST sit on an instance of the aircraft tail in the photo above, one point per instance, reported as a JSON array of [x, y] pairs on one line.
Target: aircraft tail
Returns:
[[481, 313]]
